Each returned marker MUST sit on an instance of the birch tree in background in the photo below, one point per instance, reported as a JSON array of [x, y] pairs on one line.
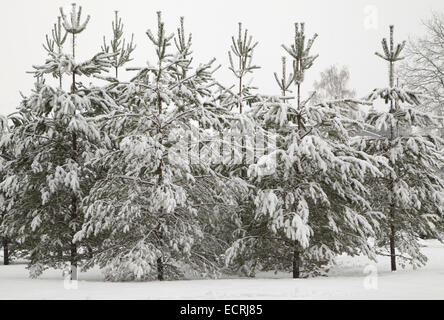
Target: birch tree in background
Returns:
[[333, 84], [423, 69]]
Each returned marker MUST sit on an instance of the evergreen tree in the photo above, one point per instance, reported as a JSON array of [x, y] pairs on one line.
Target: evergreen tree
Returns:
[[54, 44], [4, 241], [241, 138], [285, 81], [7, 155], [3, 236], [150, 201], [118, 46], [52, 141], [311, 202], [410, 194], [242, 48]]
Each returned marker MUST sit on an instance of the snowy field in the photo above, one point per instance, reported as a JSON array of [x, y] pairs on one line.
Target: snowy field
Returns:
[[352, 278]]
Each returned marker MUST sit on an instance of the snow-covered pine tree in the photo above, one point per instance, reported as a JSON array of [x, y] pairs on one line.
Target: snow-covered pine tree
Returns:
[[285, 81], [242, 49], [149, 202], [216, 217], [11, 249], [312, 205], [5, 246], [3, 236], [52, 140], [118, 46], [240, 137], [57, 39], [7, 155], [410, 194]]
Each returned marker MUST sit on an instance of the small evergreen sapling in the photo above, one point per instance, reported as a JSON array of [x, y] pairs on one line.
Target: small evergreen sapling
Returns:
[[119, 47], [242, 48], [58, 39]]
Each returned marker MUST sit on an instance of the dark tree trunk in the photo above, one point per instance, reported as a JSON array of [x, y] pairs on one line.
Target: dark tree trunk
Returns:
[[392, 231], [392, 189], [296, 263], [159, 181], [392, 248], [74, 218], [160, 275], [392, 214], [73, 246], [73, 261], [90, 252], [5, 251]]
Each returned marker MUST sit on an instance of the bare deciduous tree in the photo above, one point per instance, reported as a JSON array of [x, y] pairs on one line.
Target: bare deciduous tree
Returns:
[[333, 84], [423, 69]]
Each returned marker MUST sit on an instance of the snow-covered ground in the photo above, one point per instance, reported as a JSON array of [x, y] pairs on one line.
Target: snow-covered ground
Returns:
[[352, 278]]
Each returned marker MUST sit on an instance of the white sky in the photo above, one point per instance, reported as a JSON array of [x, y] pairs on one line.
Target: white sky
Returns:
[[343, 38]]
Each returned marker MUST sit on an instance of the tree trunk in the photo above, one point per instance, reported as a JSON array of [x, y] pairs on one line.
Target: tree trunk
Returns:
[[74, 217], [159, 181], [73, 258], [160, 269], [296, 263], [392, 248], [73, 261], [5, 251], [90, 252], [392, 230], [392, 204]]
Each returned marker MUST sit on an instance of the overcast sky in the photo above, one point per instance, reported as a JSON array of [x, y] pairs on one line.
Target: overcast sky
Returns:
[[349, 31]]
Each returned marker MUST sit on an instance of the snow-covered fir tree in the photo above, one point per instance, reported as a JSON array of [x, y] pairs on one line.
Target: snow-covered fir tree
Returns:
[[241, 58], [311, 201], [240, 139], [51, 142], [119, 46], [157, 193], [410, 194], [3, 156]]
